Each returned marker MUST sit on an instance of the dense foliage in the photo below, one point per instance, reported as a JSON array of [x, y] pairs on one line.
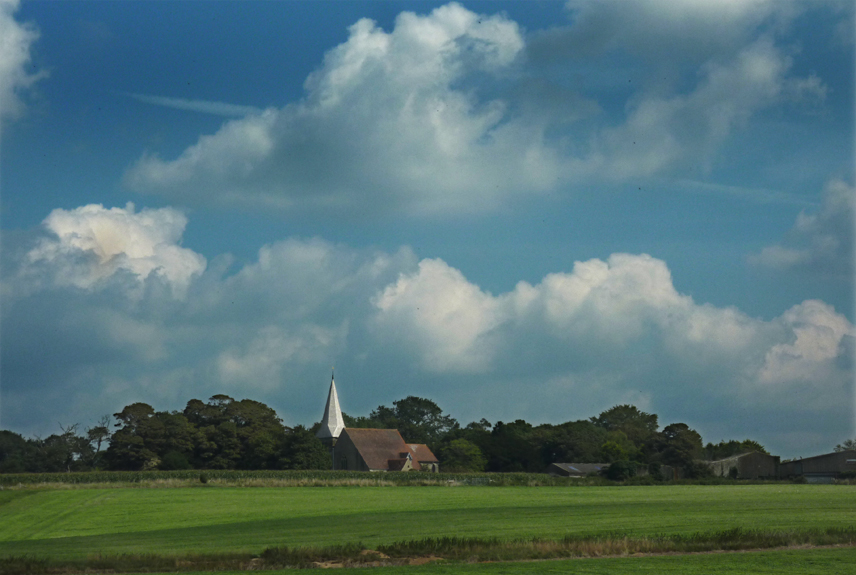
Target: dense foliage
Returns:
[[224, 433]]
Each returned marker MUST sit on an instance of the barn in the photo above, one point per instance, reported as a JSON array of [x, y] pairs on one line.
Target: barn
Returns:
[[752, 465], [820, 468]]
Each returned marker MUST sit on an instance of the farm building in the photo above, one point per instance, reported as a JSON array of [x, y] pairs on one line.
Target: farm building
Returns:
[[752, 465], [820, 468], [426, 458], [370, 449], [576, 469]]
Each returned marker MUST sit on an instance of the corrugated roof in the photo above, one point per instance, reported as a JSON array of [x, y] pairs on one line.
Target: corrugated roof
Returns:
[[581, 468], [422, 453], [377, 446]]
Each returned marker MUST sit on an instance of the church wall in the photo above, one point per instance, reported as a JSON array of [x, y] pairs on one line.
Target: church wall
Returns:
[[346, 456]]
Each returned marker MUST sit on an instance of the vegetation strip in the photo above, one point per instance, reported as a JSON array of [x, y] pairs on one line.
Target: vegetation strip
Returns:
[[442, 548], [286, 478]]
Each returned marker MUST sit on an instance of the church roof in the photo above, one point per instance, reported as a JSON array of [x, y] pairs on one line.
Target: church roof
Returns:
[[378, 446], [332, 423], [422, 453]]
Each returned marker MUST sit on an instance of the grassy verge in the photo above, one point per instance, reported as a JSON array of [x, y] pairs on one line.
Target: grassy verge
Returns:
[[454, 549], [827, 561]]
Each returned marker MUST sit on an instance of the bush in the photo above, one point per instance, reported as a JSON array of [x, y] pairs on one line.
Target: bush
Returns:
[[621, 470], [203, 477], [697, 470], [174, 460], [655, 472]]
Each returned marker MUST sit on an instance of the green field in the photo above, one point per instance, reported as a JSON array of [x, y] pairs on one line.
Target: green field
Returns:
[[68, 524], [839, 561]]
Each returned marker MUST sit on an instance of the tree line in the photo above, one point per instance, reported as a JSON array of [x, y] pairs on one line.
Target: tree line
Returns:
[[224, 433]]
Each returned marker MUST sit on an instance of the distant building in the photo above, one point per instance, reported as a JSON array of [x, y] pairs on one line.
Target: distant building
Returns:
[[426, 458], [752, 465], [820, 468], [369, 449], [373, 450], [576, 469]]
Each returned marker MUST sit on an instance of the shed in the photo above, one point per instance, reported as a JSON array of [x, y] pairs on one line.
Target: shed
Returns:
[[820, 468], [752, 465], [576, 469]]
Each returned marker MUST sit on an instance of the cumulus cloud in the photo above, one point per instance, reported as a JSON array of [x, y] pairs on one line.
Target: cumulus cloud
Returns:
[[605, 332], [444, 114], [660, 30], [384, 120], [820, 242], [664, 133], [615, 328], [16, 40], [91, 244]]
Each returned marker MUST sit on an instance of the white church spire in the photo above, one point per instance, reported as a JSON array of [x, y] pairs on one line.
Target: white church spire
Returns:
[[333, 423]]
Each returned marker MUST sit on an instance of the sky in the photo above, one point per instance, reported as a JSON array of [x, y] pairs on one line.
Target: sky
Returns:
[[520, 210]]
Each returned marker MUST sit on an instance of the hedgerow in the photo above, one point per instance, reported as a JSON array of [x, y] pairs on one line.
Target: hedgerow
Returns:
[[296, 478]]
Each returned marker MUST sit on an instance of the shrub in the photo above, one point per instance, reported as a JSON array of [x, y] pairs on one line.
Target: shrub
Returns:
[[174, 460], [621, 470]]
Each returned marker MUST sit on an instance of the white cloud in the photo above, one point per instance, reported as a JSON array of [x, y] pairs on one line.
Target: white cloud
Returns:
[[15, 42], [442, 315], [605, 332], [91, 244], [383, 122], [401, 120], [816, 334], [662, 134], [622, 317], [819, 242], [667, 30], [202, 106], [263, 362]]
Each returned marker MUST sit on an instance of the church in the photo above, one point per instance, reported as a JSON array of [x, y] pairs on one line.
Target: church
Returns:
[[370, 449]]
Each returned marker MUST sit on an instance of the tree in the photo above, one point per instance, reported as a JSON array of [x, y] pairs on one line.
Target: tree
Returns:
[[460, 455], [128, 449], [574, 441], [678, 445], [302, 450], [97, 436], [726, 449], [638, 426], [419, 420], [621, 470], [846, 445], [17, 454]]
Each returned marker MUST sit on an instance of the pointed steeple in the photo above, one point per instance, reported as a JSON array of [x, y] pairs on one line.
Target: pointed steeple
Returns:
[[333, 423]]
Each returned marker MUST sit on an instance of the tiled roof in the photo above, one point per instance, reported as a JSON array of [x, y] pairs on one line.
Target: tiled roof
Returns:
[[378, 446], [422, 453]]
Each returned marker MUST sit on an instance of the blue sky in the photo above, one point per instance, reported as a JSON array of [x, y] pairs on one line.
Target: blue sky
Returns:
[[529, 210]]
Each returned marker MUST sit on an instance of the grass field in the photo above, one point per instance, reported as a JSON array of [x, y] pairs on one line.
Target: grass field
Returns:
[[67, 524], [839, 561]]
